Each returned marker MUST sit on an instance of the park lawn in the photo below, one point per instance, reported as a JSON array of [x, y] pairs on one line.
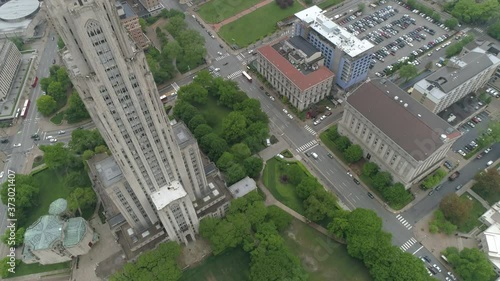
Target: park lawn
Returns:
[[285, 193], [51, 184], [257, 24], [216, 11], [58, 118], [322, 257], [27, 269], [473, 218], [229, 266], [214, 114]]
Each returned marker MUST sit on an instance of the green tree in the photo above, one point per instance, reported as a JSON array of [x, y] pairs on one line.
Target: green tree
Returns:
[[202, 130], [408, 71], [57, 156], [17, 240], [175, 26], [240, 151], [470, 11], [487, 183], [451, 23], [5, 266], [173, 48], [235, 173], [382, 180], [471, 264], [57, 91], [342, 143], [397, 194], [76, 179], [196, 121], [213, 145], [339, 224], [44, 83], [353, 153], [143, 24], [82, 140], [332, 133], [295, 174], [233, 127], [280, 218], [159, 264], [225, 161], [81, 198], [60, 43], [370, 169], [184, 111], [26, 195], [455, 209], [193, 93], [76, 110], [253, 165], [46, 105], [256, 213], [307, 186], [63, 78]]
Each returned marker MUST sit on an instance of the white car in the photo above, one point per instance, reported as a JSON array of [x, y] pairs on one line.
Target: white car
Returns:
[[437, 267], [461, 152], [219, 53], [217, 69], [271, 97], [53, 140], [62, 132], [286, 111], [316, 122], [290, 116], [438, 64], [49, 137], [487, 150], [328, 108], [17, 145], [250, 52], [323, 117], [489, 163]]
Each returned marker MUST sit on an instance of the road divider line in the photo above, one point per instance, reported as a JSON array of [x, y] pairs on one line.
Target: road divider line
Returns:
[[417, 250]]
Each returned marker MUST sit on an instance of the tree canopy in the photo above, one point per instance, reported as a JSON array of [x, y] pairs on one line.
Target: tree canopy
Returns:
[[470, 264]]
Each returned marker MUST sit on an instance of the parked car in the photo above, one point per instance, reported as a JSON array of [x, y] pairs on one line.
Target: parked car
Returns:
[[459, 187], [454, 176], [371, 195], [356, 181]]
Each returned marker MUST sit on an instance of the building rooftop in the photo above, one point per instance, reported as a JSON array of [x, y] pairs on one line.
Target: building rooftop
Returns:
[[457, 72], [42, 233], [302, 44], [109, 172], [168, 194], [58, 207], [183, 135], [492, 215], [302, 79], [243, 187], [124, 10], [492, 237], [408, 123], [74, 231], [334, 33], [17, 10]]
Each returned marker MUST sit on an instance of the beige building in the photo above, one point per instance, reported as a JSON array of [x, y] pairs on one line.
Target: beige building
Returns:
[[130, 21], [114, 81], [489, 240], [10, 59], [295, 69], [154, 7], [52, 239], [397, 133], [461, 76]]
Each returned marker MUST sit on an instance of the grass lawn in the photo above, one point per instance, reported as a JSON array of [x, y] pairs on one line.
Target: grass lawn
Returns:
[[51, 184], [230, 266], [474, 214], [214, 114], [285, 193], [323, 258], [256, 25], [26, 269], [218, 10], [328, 3], [58, 118]]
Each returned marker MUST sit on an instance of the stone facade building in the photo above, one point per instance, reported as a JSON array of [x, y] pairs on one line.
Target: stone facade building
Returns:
[[397, 133], [10, 59]]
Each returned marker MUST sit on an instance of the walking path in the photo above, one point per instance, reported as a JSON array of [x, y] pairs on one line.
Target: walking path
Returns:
[[217, 26], [270, 200], [479, 198]]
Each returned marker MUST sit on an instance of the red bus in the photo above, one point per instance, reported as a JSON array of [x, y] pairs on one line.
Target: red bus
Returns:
[[35, 81], [247, 76], [24, 111]]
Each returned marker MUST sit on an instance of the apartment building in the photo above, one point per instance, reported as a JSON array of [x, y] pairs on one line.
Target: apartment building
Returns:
[[459, 77], [295, 69], [130, 21], [397, 133], [10, 59], [346, 55]]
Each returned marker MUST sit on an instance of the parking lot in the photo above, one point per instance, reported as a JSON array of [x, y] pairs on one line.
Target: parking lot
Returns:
[[397, 33]]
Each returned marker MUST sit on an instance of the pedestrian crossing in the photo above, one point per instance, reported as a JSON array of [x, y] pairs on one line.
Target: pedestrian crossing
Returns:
[[222, 57], [310, 130], [404, 222], [239, 58], [478, 30], [175, 86], [307, 146], [235, 74], [407, 245]]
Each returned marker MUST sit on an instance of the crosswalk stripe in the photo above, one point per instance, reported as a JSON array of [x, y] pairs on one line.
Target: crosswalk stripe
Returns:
[[235, 74], [308, 145]]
